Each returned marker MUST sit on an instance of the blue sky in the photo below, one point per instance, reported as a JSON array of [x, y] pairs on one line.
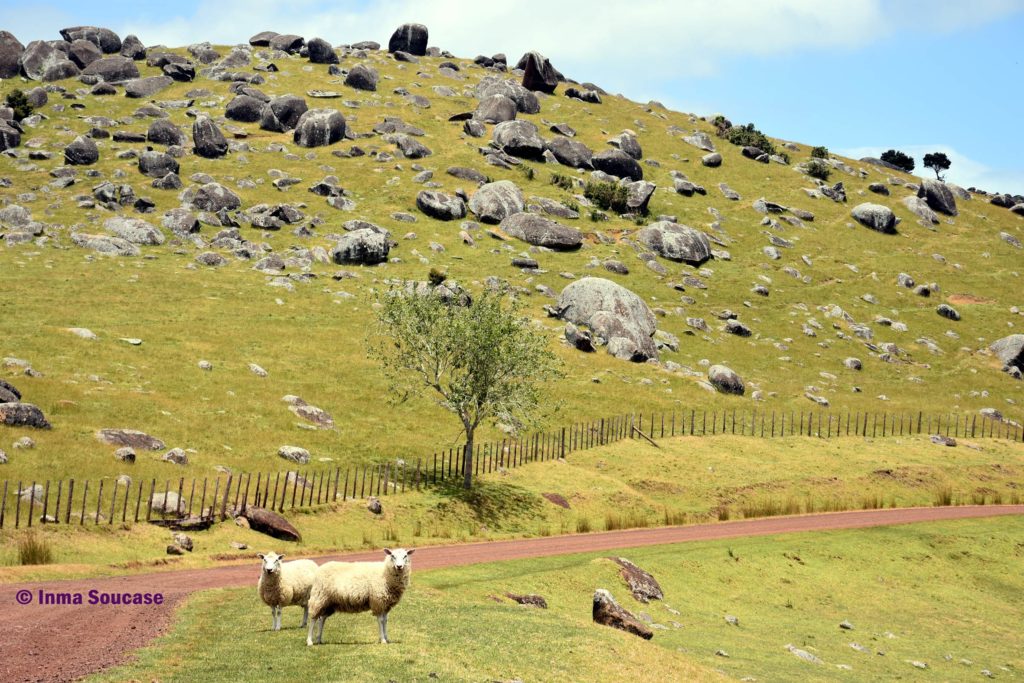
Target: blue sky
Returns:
[[858, 76]]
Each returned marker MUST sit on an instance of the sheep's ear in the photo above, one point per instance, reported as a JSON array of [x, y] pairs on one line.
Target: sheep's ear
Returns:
[[260, 555], [387, 551], [280, 557], [410, 551]]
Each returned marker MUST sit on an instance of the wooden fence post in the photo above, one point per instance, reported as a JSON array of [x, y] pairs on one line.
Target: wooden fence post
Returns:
[[3, 505], [227, 493]]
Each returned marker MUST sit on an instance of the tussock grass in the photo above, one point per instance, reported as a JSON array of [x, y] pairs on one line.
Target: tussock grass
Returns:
[[34, 548]]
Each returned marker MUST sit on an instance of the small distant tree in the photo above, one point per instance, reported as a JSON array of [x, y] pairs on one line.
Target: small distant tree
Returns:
[[819, 153], [481, 360], [816, 168], [18, 101], [899, 160], [938, 162]]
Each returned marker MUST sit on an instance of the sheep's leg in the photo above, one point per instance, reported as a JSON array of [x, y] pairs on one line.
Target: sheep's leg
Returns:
[[320, 633], [277, 617], [312, 629], [382, 622], [305, 616]]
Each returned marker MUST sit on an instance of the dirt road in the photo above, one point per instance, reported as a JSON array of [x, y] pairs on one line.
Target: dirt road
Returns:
[[65, 642]]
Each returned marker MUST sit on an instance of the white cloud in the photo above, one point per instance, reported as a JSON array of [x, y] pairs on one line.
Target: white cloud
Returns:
[[964, 171]]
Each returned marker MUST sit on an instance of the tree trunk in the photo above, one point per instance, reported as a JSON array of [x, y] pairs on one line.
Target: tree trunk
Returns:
[[467, 461]]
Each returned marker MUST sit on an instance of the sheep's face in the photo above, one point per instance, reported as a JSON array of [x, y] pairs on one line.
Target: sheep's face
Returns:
[[271, 562], [399, 558]]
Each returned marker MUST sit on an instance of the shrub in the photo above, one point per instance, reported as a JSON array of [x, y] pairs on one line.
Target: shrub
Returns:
[[436, 276], [528, 172], [608, 196], [819, 153], [898, 159], [562, 181], [817, 168], [748, 135], [18, 101], [597, 216], [572, 205], [784, 156], [721, 124], [34, 549]]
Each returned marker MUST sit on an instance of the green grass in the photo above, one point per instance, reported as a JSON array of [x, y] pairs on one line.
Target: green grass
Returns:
[[938, 593], [629, 484]]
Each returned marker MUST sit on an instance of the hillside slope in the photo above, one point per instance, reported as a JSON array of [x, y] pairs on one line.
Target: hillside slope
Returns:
[[304, 319]]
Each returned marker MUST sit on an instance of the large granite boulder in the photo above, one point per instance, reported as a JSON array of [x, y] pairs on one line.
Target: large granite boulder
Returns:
[[103, 38], [270, 523], [410, 38], [938, 195], [541, 232], [617, 163], [212, 197], [10, 137], [676, 242], [526, 101], [570, 152], [146, 87], [319, 128], [610, 311], [10, 52], [83, 53], [1010, 350], [287, 42], [209, 141], [496, 108], [365, 246], [321, 52], [282, 114], [441, 206], [158, 164], [493, 202], [875, 216], [81, 152], [42, 61], [23, 415], [538, 74], [132, 47], [520, 139], [362, 77], [244, 109], [134, 230], [113, 69], [726, 380]]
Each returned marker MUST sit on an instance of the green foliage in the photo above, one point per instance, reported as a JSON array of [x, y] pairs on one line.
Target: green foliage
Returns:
[[938, 162], [817, 168], [484, 361], [898, 159], [608, 196], [784, 156], [436, 276], [819, 152], [561, 180], [528, 172], [598, 216], [572, 205], [721, 124], [34, 549], [748, 135], [18, 101]]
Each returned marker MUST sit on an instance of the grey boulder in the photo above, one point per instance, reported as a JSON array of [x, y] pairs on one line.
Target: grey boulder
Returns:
[[81, 152], [113, 69], [410, 38], [542, 232], [609, 310], [244, 109], [209, 141], [362, 77], [520, 139], [441, 206], [319, 127], [103, 38], [147, 87], [282, 114], [617, 163], [725, 380], [676, 242], [938, 196], [321, 52], [875, 216], [538, 74], [212, 197], [493, 202], [157, 164], [361, 246], [570, 152], [496, 108], [163, 132], [10, 52], [134, 230]]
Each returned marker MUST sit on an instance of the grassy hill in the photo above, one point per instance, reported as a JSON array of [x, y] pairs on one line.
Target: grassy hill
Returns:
[[309, 335]]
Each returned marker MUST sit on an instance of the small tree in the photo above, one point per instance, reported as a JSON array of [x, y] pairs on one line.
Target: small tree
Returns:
[[938, 162], [898, 159], [482, 361], [18, 101], [819, 153]]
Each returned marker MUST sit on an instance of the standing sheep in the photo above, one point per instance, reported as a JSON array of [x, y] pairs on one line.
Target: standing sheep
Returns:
[[357, 587], [283, 584]]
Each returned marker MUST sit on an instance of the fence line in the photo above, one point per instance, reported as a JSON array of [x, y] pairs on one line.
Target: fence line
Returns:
[[72, 502]]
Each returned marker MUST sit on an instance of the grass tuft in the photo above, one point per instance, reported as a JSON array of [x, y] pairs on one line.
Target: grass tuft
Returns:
[[34, 549]]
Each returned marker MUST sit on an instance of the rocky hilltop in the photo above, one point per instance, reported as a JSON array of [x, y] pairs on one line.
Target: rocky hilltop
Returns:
[[328, 172]]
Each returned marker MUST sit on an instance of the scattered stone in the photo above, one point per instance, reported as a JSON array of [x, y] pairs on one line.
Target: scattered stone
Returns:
[[374, 506], [176, 456], [270, 523], [726, 380], [23, 415], [804, 655], [528, 600], [875, 216], [131, 439], [642, 585], [608, 613], [294, 454]]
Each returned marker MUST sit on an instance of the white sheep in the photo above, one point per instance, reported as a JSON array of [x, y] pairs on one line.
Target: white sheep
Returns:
[[359, 587], [283, 584]]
